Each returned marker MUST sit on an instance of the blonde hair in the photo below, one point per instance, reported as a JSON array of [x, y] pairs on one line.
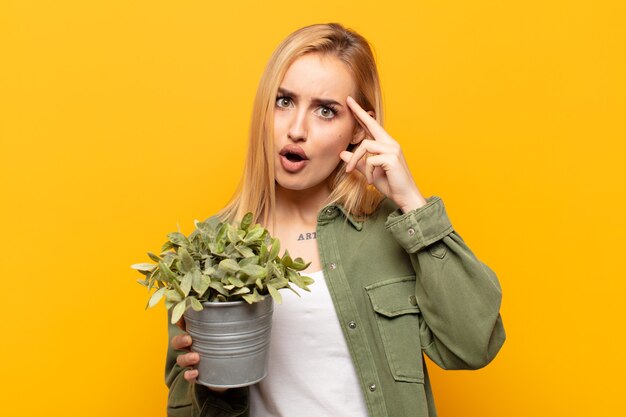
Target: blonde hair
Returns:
[[256, 190]]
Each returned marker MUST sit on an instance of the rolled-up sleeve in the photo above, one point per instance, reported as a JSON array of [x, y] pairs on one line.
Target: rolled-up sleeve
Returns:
[[458, 295]]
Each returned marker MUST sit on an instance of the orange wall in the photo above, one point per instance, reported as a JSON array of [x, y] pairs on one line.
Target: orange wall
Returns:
[[121, 119]]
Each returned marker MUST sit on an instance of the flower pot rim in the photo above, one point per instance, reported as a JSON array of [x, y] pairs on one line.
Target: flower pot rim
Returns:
[[233, 303]]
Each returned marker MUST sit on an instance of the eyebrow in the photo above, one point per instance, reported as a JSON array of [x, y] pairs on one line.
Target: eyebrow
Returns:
[[316, 101]]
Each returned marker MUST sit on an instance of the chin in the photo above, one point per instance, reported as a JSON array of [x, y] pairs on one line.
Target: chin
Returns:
[[297, 183]]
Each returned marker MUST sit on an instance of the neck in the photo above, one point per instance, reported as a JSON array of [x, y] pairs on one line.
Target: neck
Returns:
[[300, 206]]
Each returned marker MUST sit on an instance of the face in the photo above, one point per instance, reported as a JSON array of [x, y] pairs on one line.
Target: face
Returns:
[[312, 122]]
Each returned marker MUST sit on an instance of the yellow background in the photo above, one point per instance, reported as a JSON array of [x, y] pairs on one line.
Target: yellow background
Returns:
[[120, 120]]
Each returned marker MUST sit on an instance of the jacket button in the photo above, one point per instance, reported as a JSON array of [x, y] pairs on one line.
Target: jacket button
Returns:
[[333, 266], [412, 300], [411, 231], [372, 387], [352, 325]]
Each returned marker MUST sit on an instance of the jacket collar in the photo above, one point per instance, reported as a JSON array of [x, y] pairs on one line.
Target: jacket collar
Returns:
[[331, 211]]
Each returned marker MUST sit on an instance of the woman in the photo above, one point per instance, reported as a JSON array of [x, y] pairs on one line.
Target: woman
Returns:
[[393, 278]]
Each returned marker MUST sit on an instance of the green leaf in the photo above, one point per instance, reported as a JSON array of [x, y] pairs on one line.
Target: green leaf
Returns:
[[255, 271], [275, 294], [185, 261], [297, 279], [173, 295], [177, 288], [218, 286], [263, 253], [299, 264], [221, 233], [252, 260], [154, 257], [178, 239], [244, 290], [278, 282], [275, 249], [246, 221], [156, 297], [195, 304], [185, 284], [255, 297], [308, 280], [166, 246], [277, 270], [254, 234], [178, 311], [232, 234], [245, 251], [220, 245], [236, 282], [166, 272], [286, 260], [229, 265], [200, 282], [143, 267]]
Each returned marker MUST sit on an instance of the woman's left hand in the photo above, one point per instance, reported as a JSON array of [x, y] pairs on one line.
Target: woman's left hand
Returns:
[[382, 162]]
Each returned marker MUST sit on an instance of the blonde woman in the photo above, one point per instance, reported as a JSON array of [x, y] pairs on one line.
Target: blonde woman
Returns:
[[393, 278]]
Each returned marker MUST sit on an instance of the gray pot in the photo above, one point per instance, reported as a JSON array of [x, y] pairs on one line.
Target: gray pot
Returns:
[[232, 339]]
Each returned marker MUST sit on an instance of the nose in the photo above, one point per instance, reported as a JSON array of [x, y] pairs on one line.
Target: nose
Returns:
[[298, 126]]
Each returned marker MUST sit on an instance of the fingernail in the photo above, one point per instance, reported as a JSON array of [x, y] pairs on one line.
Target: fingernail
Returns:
[[187, 339]]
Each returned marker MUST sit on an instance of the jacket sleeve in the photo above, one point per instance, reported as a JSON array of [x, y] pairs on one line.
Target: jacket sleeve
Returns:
[[186, 399], [459, 296]]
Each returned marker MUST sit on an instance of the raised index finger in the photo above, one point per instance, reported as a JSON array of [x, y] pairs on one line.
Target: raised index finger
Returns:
[[367, 121]]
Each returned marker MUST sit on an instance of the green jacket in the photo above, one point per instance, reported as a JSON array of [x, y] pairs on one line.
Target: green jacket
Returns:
[[402, 284]]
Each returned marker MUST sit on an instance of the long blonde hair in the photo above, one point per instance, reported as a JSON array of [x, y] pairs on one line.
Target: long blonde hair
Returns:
[[256, 190]]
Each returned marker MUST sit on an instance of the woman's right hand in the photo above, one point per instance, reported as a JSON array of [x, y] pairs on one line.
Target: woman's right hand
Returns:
[[189, 359]]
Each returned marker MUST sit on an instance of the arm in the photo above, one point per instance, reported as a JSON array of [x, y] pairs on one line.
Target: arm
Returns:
[[459, 296], [188, 399]]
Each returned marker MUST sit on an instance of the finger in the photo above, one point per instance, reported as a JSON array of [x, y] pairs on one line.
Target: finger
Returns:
[[188, 359], [370, 165], [191, 375], [181, 341], [366, 120], [366, 145], [181, 323], [347, 157]]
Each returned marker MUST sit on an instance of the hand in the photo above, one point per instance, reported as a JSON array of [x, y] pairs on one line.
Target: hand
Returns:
[[382, 162], [185, 360]]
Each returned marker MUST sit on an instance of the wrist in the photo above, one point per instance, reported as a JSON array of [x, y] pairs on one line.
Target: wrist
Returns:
[[415, 203]]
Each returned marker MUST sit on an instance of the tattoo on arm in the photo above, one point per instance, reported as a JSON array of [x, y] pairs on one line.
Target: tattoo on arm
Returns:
[[307, 236]]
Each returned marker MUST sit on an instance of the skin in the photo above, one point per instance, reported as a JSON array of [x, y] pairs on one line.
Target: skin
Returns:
[[324, 136]]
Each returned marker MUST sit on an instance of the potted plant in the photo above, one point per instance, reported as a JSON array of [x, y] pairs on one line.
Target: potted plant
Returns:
[[219, 278]]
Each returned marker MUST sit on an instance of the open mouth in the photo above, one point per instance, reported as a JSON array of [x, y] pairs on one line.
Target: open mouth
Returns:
[[294, 157], [293, 153]]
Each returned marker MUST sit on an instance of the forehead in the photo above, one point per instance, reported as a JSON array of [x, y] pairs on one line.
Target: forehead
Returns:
[[319, 76]]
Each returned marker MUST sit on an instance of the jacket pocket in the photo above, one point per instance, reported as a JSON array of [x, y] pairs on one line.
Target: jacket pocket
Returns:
[[398, 320]]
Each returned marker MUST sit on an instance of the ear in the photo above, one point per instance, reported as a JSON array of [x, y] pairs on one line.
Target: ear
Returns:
[[359, 132]]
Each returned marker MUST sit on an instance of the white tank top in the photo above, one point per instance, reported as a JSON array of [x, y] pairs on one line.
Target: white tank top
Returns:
[[310, 371]]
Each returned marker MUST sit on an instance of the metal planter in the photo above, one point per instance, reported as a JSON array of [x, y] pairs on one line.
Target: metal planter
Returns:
[[232, 339]]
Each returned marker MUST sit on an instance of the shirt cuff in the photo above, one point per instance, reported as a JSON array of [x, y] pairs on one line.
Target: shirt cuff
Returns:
[[421, 227]]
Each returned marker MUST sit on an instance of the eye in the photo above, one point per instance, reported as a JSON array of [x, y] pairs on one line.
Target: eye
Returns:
[[283, 102], [327, 112]]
